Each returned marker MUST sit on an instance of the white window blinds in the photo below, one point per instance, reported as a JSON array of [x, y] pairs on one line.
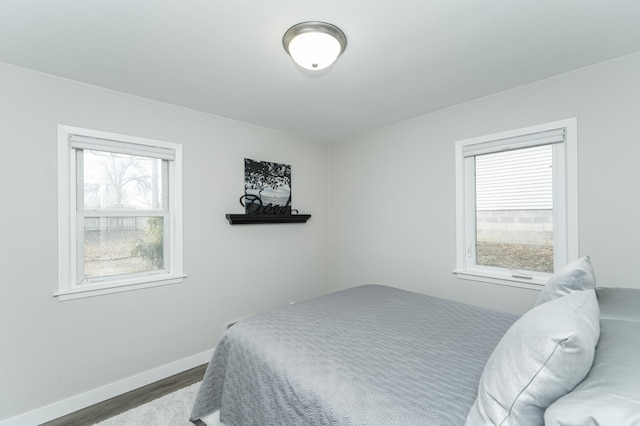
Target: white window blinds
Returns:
[[518, 142], [84, 142]]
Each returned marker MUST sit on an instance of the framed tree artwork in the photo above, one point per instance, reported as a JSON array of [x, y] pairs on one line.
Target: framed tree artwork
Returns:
[[267, 187]]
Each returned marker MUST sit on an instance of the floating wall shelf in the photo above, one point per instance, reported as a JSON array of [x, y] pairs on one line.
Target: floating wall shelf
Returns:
[[246, 219]]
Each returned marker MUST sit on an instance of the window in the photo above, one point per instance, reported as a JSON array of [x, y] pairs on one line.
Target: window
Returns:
[[516, 204], [120, 213]]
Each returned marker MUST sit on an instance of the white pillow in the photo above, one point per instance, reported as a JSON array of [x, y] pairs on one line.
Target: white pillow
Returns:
[[575, 276], [544, 355]]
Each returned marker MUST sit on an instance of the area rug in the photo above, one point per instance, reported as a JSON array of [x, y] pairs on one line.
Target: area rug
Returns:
[[170, 410]]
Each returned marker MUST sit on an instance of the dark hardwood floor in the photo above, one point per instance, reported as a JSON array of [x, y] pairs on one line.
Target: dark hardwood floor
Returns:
[[120, 404]]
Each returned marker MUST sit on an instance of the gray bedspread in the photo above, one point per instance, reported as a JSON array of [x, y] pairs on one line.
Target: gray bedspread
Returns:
[[369, 355]]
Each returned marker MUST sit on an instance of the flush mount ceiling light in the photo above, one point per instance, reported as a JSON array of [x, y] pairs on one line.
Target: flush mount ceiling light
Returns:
[[314, 45]]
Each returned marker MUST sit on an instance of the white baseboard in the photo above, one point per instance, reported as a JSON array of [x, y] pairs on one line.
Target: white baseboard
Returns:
[[78, 402]]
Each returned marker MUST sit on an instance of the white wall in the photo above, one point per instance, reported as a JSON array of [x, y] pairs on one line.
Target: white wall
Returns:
[[392, 191], [51, 350], [391, 204]]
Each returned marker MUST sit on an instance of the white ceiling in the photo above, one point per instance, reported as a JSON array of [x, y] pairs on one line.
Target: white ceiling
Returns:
[[403, 58]]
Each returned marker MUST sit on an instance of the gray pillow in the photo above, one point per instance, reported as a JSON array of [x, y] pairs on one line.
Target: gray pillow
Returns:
[[610, 394], [575, 276], [544, 355]]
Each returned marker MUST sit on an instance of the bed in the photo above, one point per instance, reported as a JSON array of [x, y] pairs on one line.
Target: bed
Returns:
[[378, 355], [370, 355]]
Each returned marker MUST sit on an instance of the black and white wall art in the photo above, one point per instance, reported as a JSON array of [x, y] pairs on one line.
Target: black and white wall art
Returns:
[[267, 187]]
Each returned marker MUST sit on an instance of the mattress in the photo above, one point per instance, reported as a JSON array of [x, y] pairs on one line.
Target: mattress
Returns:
[[369, 355]]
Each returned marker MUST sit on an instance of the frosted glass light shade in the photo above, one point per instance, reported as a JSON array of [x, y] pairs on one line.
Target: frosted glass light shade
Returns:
[[314, 51], [314, 45]]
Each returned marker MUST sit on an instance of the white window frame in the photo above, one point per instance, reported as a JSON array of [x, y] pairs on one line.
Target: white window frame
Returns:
[[565, 203], [69, 258]]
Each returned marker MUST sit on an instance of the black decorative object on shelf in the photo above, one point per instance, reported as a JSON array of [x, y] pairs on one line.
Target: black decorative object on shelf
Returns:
[[265, 214], [253, 205]]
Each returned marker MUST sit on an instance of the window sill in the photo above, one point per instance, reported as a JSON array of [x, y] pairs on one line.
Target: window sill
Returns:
[[535, 283], [91, 290]]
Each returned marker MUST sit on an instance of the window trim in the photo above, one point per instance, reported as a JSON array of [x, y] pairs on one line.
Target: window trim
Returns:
[[68, 218], [565, 205]]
